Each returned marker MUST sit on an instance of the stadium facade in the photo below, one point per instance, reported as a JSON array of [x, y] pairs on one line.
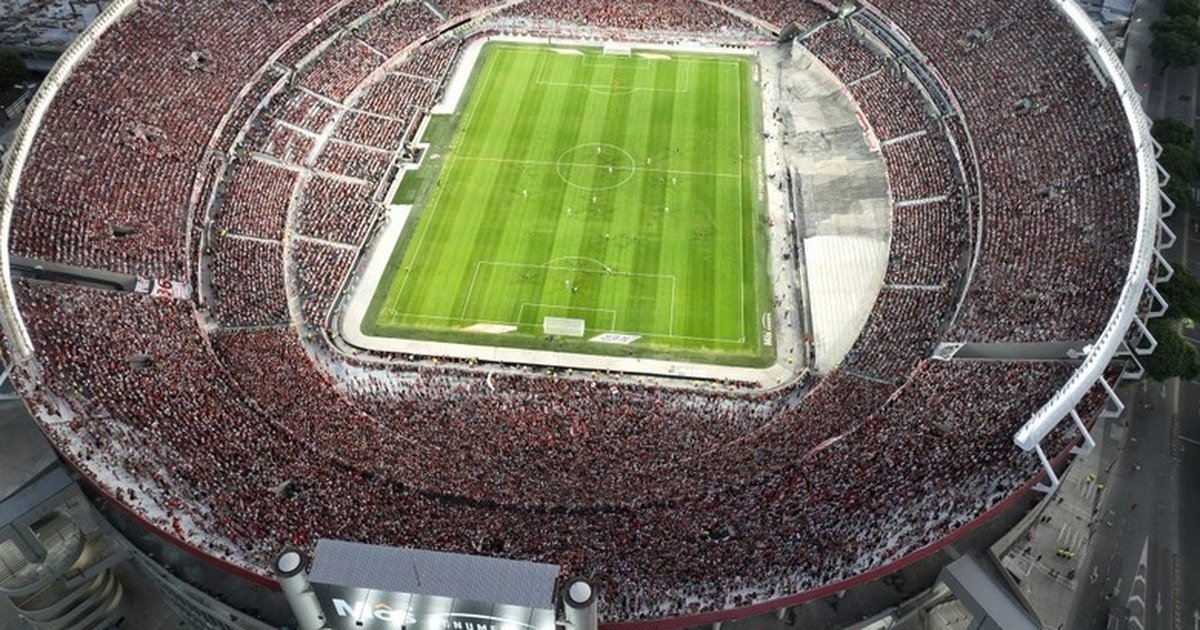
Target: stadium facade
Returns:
[[185, 206]]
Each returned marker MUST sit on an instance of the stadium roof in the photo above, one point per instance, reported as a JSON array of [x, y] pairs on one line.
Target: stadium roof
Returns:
[[421, 572]]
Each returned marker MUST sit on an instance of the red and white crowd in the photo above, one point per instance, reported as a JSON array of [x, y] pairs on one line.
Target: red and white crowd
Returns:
[[253, 434]]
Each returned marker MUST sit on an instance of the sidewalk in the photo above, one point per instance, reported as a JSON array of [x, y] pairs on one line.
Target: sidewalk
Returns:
[[1066, 521]]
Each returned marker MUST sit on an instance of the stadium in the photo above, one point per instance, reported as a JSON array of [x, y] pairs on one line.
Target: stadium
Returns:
[[547, 279]]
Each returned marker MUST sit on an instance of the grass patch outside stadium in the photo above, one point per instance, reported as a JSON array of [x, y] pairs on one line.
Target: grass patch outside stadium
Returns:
[[616, 195]]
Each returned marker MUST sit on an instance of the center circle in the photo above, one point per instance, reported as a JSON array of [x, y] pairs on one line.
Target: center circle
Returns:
[[595, 166]]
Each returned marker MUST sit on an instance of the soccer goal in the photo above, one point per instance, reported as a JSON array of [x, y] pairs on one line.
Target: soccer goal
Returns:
[[563, 326], [618, 49]]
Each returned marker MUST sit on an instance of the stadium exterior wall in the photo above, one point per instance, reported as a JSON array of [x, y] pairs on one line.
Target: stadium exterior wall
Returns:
[[22, 144]]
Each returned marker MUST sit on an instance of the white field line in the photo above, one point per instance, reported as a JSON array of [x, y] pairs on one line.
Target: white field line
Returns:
[[452, 161], [431, 205], [612, 322], [742, 212]]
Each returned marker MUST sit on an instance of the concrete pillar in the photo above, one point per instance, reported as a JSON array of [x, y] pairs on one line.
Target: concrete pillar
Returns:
[[28, 543], [289, 571], [579, 605]]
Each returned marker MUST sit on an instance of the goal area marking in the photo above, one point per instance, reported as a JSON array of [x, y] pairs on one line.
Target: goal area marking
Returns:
[[619, 49]]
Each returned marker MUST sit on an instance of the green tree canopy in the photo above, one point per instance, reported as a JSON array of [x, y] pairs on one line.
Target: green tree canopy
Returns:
[[1175, 355], [1184, 8], [1182, 293], [12, 69], [1176, 41], [1181, 162], [1172, 131]]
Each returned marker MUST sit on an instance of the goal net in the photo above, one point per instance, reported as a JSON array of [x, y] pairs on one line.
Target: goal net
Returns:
[[563, 326], [618, 49]]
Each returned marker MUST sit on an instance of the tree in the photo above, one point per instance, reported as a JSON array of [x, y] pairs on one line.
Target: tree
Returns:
[[1176, 41], [1172, 131], [1181, 162], [1182, 293], [1174, 356], [1182, 8], [1180, 193], [12, 69]]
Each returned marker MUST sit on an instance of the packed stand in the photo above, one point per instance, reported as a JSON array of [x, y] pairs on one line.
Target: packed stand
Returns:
[[776, 497], [353, 161], [145, 104], [1057, 162], [319, 271], [340, 69], [398, 27], [455, 8], [813, 499], [674, 15], [255, 203], [782, 12], [372, 130], [285, 143], [843, 52], [919, 168], [247, 282], [336, 211], [903, 328], [928, 241]]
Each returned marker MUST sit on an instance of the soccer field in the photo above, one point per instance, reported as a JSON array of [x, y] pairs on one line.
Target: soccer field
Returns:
[[612, 194]]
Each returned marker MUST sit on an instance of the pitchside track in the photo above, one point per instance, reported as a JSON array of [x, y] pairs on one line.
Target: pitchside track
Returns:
[[617, 194]]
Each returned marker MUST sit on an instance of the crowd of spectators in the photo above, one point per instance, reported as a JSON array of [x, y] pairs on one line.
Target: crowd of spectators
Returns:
[[683, 16], [304, 110], [255, 203], [398, 27], [319, 270], [457, 8], [919, 167], [352, 160], [109, 178], [256, 435], [780, 13], [335, 210], [247, 282], [928, 241], [1059, 189], [372, 130], [842, 52], [339, 70], [396, 94], [904, 326], [241, 423], [285, 143]]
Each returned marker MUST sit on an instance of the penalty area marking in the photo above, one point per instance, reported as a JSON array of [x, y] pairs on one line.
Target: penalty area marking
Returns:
[[607, 271], [612, 313]]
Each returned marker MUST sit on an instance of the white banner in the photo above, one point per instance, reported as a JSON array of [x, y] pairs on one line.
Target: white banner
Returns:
[[163, 289]]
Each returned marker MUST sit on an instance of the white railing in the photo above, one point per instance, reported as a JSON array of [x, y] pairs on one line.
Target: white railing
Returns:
[[21, 345], [1106, 345]]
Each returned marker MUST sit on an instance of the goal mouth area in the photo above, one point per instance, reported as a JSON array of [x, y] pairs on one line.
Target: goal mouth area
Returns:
[[618, 49]]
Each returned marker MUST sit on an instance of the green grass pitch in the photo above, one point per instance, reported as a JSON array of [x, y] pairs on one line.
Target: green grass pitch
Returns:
[[623, 191]]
